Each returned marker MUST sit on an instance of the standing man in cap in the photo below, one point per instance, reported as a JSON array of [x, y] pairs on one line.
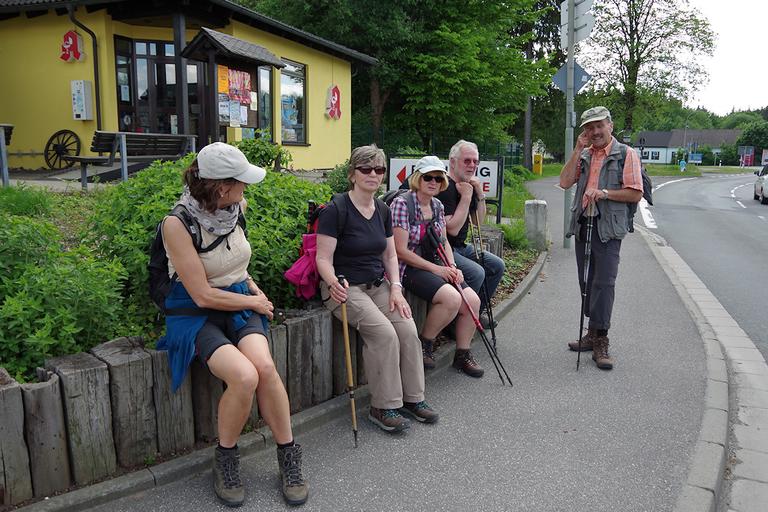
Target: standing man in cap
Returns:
[[609, 177], [464, 202]]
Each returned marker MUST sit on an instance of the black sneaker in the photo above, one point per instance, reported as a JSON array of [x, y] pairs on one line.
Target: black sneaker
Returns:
[[226, 477], [420, 411], [389, 420]]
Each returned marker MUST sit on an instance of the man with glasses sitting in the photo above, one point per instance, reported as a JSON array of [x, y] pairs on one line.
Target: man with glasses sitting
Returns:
[[464, 202]]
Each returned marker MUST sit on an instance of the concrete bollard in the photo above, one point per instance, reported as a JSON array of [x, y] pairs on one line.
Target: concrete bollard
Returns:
[[536, 226]]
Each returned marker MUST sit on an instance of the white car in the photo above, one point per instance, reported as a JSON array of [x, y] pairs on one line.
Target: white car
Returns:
[[760, 185]]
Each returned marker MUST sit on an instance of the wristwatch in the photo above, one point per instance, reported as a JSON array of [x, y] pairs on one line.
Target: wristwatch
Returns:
[[605, 193]]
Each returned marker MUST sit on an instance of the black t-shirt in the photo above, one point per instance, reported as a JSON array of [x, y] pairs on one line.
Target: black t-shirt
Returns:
[[450, 198], [360, 247]]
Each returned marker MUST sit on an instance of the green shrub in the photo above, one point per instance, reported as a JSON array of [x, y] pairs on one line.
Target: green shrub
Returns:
[[125, 219], [337, 178], [262, 152], [66, 305], [514, 234], [25, 241], [24, 200], [410, 151]]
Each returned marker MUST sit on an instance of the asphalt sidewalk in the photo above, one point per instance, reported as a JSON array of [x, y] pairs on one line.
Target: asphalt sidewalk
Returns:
[[652, 434]]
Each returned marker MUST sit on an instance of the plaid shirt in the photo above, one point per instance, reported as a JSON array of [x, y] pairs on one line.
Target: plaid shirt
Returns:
[[399, 209], [631, 172]]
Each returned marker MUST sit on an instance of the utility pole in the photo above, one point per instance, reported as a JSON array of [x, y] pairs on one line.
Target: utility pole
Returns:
[[575, 24], [568, 117]]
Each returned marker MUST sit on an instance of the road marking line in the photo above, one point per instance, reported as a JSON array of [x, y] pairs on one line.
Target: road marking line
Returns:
[[739, 203], [761, 217], [648, 219], [657, 187]]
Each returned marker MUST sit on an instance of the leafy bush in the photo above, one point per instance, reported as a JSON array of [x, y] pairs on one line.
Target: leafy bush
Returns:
[[514, 234], [410, 151], [67, 305], [516, 174], [25, 241], [126, 216], [337, 178], [262, 152], [24, 200]]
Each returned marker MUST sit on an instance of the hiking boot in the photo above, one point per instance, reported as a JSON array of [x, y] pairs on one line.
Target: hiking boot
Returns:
[[419, 411], [465, 361], [485, 321], [427, 349], [295, 490], [586, 343], [600, 353], [226, 477], [389, 420]]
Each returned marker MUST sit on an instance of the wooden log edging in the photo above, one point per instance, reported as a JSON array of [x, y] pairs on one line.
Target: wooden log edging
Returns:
[[88, 414], [134, 421], [46, 434], [15, 478]]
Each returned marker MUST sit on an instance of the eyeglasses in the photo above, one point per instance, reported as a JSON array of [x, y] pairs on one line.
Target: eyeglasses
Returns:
[[469, 161], [430, 177], [367, 170]]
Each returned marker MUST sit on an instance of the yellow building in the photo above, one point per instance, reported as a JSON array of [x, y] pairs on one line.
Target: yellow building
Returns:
[[211, 68]]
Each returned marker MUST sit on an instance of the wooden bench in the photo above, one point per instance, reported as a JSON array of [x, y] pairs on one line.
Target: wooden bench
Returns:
[[133, 147], [6, 130]]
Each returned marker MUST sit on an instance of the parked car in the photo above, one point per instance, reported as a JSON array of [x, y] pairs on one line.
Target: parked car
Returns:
[[762, 180]]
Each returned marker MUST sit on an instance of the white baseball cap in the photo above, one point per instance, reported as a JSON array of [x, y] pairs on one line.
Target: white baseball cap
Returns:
[[429, 164], [218, 161]]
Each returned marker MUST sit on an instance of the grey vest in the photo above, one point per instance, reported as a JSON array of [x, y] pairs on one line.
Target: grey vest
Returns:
[[614, 219]]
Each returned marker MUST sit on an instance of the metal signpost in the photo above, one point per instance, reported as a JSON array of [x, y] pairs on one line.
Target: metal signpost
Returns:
[[576, 23]]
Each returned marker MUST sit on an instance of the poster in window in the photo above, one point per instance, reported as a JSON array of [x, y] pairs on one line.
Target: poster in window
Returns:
[[234, 114], [223, 109], [222, 72], [240, 86], [333, 102], [254, 100], [243, 115]]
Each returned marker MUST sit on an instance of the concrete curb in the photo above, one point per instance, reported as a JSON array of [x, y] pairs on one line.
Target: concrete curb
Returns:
[[252, 443], [736, 373]]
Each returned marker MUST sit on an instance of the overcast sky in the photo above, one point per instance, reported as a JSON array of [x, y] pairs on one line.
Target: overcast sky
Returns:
[[738, 73]]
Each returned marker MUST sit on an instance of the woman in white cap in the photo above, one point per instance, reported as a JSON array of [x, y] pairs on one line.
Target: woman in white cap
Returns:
[[221, 315], [421, 270]]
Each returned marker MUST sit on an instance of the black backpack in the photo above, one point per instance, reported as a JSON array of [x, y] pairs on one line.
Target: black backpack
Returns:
[[159, 282], [647, 187]]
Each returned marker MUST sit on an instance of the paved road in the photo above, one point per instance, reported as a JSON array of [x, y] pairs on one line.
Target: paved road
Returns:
[[557, 441], [722, 233]]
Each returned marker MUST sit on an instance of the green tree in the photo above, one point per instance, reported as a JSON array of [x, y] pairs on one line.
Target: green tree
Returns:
[[755, 134], [648, 45], [740, 119]]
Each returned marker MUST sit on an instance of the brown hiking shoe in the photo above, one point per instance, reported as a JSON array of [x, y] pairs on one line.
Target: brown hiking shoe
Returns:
[[389, 420], [226, 477], [295, 490], [465, 361], [427, 349], [600, 353], [419, 411], [587, 342]]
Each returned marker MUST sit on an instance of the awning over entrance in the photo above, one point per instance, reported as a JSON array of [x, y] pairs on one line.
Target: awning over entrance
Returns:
[[229, 48]]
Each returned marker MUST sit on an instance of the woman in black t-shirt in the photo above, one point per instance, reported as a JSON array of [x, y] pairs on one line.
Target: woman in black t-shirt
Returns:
[[364, 252]]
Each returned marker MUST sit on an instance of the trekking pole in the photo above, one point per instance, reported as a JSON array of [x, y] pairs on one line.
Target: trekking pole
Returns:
[[348, 357], [480, 257], [491, 350], [590, 214]]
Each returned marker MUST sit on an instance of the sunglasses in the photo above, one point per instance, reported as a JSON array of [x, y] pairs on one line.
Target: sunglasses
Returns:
[[430, 177], [470, 161], [380, 170]]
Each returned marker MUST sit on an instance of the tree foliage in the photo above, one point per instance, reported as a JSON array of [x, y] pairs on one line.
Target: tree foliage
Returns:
[[755, 134], [445, 68], [648, 45]]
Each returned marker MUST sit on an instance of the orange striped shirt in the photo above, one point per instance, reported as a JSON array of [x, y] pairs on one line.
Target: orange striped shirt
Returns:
[[631, 175]]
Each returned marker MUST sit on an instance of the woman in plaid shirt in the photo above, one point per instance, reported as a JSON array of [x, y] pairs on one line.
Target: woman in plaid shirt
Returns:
[[421, 273]]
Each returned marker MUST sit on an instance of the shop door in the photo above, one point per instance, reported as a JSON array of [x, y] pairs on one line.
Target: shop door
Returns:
[[153, 107]]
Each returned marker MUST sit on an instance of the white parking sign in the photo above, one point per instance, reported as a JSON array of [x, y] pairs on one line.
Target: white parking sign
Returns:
[[487, 171]]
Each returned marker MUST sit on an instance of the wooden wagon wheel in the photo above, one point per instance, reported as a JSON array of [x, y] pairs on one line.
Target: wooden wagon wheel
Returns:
[[63, 143]]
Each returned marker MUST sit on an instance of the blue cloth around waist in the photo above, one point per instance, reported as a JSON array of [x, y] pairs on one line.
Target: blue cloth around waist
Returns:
[[182, 330]]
